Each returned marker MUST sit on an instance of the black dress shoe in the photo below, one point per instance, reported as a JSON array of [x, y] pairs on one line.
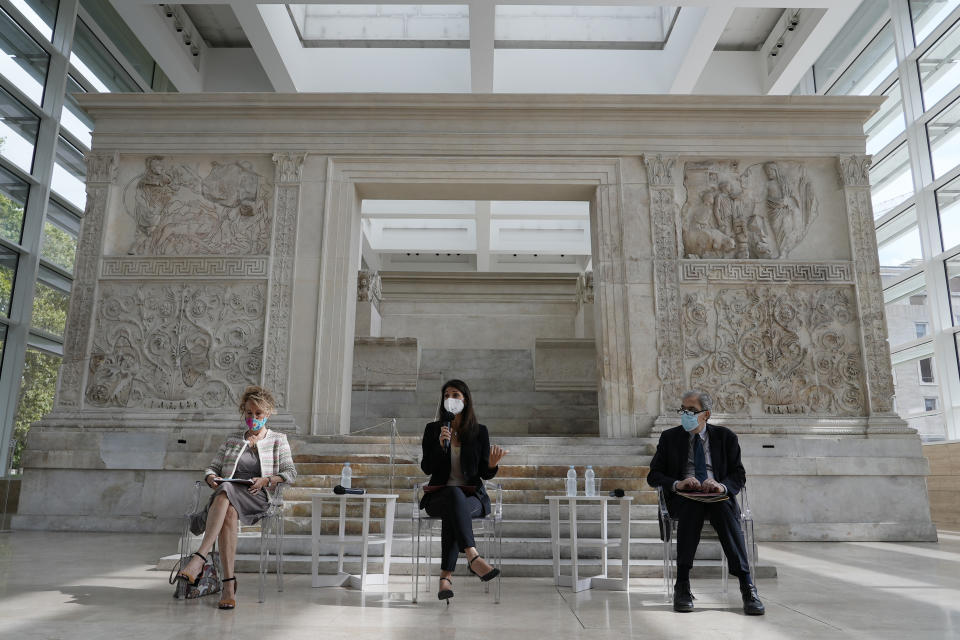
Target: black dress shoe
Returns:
[[682, 598], [751, 601]]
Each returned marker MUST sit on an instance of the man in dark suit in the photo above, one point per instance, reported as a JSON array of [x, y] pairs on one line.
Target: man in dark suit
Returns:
[[702, 457]]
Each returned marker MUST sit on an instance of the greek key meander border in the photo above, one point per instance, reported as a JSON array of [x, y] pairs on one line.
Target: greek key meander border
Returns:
[[698, 271], [200, 267]]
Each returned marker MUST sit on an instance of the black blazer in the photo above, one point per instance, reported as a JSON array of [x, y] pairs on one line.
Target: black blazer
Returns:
[[474, 461], [670, 461]]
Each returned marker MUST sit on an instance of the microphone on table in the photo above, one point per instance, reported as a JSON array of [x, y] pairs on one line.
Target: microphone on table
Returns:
[[342, 490], [617, 493], [446, 418]]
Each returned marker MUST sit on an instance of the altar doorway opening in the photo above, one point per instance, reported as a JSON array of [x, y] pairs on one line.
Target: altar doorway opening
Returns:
[[498, 293]]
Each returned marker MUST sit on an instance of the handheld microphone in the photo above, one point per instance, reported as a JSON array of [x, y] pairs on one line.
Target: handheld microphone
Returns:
[[617, 493], [342, 490], [446, 418]]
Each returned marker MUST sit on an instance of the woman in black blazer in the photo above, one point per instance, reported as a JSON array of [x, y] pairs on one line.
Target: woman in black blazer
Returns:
[[458, 457]]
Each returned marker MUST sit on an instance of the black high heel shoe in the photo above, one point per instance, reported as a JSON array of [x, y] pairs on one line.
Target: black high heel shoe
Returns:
[[192, 580], [445, 594], [230, 603], [488, 576]]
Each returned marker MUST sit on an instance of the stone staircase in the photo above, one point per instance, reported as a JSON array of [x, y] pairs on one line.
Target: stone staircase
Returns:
[[504, 392], [534, 468]]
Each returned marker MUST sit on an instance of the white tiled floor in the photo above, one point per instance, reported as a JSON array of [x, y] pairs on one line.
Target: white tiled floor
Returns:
[[77, 586]]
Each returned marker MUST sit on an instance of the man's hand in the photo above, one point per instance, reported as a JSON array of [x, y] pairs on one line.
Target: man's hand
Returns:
[[712, 486], [258, 484], [689, 484]]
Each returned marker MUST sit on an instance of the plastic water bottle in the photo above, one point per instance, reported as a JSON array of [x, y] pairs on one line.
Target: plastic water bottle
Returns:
[[571, 481], [346, 475], [589, 487]]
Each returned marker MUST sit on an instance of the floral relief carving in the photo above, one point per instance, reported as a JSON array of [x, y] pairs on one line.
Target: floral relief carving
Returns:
[[173, 346], [180, 212], [763, 211], [766, 350]]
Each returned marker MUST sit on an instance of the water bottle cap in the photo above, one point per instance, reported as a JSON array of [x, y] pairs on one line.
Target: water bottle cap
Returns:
[[571, 466], [346, 464], [589, 466]]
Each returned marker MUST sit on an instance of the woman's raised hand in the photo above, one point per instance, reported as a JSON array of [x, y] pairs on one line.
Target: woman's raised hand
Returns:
[[496, 454]]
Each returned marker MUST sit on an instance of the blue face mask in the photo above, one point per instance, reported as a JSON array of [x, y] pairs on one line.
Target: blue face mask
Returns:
[[689, 422], [256, 425]]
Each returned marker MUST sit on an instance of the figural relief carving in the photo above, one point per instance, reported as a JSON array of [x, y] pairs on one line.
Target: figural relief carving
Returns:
[[175, 346], [180, 212], [775, 350], [762, 211]]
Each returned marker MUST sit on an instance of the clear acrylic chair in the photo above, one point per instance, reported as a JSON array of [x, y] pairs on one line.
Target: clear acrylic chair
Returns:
[[670, 526], [270, 524], [488, 532]]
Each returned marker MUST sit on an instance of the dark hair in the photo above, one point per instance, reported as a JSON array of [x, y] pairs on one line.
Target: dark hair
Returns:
[[468, 419]]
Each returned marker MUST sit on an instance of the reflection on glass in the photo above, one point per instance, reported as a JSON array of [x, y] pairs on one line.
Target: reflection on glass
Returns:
[[97, 65], [73, 118], [888, 123], [13, 200], [22, 60], [891, 181], [51, 299], [948, 208], [35, 399], [945, 139], [906, 305], [898, 246], [69, 174], [42, 14], [18, 131], [952, 266], [8, 269], [119, 34], [918, 395], [927, 14], [623, 25], [861, 23], [3, 341], [877, 61], [940, 67], [60, 231]]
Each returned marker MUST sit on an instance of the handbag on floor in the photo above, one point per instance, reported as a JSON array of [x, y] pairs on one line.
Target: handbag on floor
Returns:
[[208, 582]]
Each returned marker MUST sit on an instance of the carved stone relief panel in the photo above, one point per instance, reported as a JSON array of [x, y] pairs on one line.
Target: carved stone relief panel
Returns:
[[175, 206], [175, 346], [791, 349], [747, 209]]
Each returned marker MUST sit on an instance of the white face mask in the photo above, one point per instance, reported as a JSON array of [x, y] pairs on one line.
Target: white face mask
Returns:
[[453, 405]]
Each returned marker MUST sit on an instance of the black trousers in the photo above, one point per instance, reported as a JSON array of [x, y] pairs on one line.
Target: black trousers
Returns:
[[457, 510], [725, 521]]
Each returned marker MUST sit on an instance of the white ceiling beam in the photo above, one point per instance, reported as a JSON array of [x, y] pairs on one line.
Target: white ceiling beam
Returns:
[[482, 21], [746, 4], [695, 34], [370, 257], [274, 39], [149, 25], [816, 30], [483, 236]]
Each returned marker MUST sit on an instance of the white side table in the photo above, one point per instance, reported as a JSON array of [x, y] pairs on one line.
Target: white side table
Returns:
[[364, 581], [599, 581]]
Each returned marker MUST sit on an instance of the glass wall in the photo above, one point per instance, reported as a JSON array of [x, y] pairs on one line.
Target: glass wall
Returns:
[[906, 50], [42, 194]]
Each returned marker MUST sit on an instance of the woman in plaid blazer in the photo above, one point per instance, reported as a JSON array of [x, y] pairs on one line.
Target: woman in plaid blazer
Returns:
[[260, 459]]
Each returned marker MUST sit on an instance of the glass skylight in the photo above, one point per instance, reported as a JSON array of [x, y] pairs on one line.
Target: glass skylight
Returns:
[[382, 25]]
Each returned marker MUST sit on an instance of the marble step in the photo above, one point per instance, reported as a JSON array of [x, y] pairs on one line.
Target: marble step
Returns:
[[307, 485], [513, 528], [513, 547], [313, 465], [511, 511]]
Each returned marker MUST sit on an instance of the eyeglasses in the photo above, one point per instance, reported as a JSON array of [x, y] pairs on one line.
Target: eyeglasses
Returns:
[[689, 411]]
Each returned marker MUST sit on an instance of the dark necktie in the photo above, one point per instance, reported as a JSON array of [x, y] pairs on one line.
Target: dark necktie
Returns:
[[699, 459]]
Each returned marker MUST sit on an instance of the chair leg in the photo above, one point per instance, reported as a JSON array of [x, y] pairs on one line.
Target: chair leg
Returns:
[[264, 556], [416, 561], [279, 535], [724, 571], [487, 546], [499, 533], [666, 566]]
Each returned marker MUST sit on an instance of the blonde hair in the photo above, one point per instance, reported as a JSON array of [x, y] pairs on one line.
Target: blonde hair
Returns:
[[261, 397]]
